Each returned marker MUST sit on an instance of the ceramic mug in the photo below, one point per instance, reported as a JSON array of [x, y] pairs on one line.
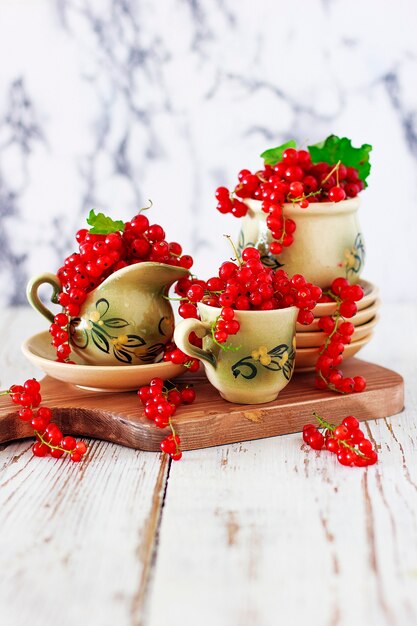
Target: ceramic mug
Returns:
[[261, 361], [327, 242]]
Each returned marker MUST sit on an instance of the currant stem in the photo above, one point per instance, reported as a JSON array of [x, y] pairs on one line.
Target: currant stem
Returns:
[[334, 169], [228, 237], [47, 443], [323, 424], [146, 208]]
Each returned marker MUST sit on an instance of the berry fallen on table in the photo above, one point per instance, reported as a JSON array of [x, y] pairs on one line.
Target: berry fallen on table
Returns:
[[346, 440], [49, 438], [161, 399]]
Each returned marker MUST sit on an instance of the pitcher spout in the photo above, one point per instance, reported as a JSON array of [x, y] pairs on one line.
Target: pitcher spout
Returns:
[[156, 277]]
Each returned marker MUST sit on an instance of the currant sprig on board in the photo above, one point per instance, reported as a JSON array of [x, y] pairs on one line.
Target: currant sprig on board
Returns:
[[49, 438]]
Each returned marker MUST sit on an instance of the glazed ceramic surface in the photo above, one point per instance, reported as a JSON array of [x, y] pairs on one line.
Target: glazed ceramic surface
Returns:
[[39, 351], [307, 357], [261, 360], [317, 338], [126, 320], [327, 242], [361, 317]]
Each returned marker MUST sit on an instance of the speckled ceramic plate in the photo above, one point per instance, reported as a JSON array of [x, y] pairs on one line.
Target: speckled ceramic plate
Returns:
[[39, 351], [361, 317], [305, 358], [314, 339]]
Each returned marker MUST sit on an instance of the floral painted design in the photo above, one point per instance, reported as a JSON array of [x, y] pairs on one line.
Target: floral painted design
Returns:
[[278, 359], [97, 327], [354, 258]]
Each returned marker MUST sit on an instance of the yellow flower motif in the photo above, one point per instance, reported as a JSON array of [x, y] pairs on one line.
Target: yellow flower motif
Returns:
[[261, 354], [120, 341], [265, 359], [94, 316], [283, 359], [261, 351], [350, 258]]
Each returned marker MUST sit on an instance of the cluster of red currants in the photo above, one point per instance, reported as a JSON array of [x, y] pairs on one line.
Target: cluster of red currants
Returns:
[[347, 441], [338, 333], [49, 438], [294, 179], [161, 400], [247, 285], [98, 256]]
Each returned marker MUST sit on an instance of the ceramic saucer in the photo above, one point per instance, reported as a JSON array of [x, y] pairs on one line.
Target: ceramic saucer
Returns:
[[39, 351]]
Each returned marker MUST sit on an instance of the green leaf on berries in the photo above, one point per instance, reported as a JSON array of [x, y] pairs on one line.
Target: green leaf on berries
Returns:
[[334, 149], [274, 155], [103, 225]]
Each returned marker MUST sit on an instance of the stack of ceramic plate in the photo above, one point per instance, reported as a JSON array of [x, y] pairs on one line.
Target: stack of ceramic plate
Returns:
[[310, 339]]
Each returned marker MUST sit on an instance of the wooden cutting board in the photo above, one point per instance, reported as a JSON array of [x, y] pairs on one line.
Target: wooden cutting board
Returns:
[[210, 421]]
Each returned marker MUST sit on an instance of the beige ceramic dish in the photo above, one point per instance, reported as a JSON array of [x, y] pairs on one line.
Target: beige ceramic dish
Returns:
[[39, 351], [305, 358], [314, 339], [361, 317], [371, 294]]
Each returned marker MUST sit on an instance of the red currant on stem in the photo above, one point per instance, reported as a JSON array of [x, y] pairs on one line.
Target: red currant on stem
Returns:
[[345, 440], [48, 435]]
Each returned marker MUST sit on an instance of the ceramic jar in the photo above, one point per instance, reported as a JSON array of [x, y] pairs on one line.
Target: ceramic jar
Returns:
[[127, 320], [327, 242], [260, 362]]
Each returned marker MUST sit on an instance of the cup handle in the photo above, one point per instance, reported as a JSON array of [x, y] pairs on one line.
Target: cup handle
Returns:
[[33, 297], [181, 338]]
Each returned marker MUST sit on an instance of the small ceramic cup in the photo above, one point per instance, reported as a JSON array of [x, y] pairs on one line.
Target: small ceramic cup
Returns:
[[261, 361]]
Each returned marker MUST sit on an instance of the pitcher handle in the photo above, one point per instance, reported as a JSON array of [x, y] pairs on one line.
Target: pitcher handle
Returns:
[[181, 337], [33, 297]]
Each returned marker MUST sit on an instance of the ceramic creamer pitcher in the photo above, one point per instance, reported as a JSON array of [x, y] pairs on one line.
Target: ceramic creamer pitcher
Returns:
[[125, 320]]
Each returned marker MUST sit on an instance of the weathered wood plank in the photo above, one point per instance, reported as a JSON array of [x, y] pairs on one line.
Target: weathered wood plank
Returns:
[[276, 533], [77, 541]]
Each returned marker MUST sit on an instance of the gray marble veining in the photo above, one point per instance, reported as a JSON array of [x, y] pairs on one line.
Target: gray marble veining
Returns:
[[106, 103]]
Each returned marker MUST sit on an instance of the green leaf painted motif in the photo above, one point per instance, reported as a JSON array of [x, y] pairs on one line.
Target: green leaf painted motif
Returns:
[[100, 340], [334, 148], [79, 337], [246, 362], [273, 155], [115, 322], [275, 365], [122, 355], [103, 225], [102, 306], [134, 341]]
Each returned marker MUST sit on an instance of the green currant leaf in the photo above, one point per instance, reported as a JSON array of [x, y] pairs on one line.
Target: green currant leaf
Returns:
[[334, 148], [273, 155], [103, 225]]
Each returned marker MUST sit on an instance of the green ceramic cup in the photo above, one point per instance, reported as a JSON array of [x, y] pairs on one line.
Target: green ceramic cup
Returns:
[[127, 320], [261, 361]]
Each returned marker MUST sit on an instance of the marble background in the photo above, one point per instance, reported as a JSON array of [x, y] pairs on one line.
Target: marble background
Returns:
[[106, 103]]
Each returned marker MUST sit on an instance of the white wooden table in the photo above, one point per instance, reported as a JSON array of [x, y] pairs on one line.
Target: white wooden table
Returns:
[[262, 533]]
